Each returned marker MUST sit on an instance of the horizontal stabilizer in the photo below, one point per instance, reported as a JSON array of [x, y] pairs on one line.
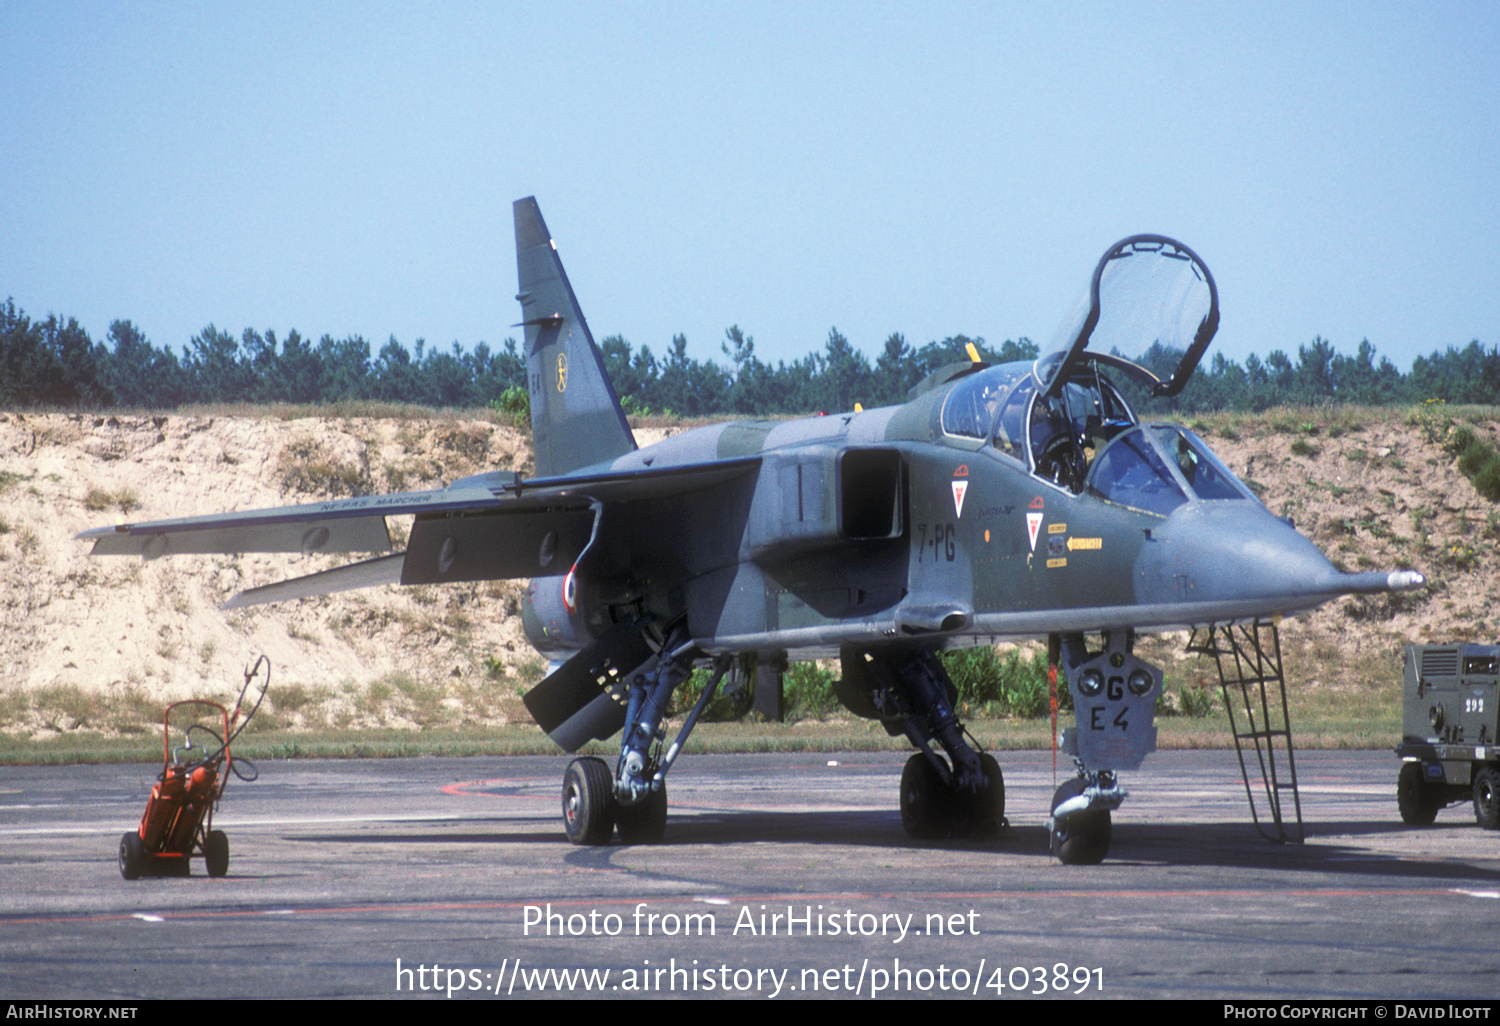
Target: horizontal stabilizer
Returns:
[[366, 534], [584, 699], [495, 545], [340, 525], [368, 574]]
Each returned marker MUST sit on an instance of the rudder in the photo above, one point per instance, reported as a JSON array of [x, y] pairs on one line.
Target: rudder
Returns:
[[576, 418]]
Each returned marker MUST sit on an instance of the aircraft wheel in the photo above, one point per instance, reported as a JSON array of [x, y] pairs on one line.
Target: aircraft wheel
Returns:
[[1487, 799], [645, 822], [1081, 839], [588, 802], [926, 809], [216, 853], [132, 856], [1415, 800], [985, 810], [990, 803]]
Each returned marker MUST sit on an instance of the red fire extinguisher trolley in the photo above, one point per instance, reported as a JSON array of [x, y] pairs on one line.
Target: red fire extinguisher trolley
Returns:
[[178, 824]]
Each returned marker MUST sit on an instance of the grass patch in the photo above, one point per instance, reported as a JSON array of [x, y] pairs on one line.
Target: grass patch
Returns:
[[1003, 702], [1477, 460], [306, 466], [97, 500], [1014, 684], [1322, 718]]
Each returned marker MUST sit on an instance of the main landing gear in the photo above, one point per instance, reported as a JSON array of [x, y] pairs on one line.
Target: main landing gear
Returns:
[[633, 799], [932, 808], [959, 793]]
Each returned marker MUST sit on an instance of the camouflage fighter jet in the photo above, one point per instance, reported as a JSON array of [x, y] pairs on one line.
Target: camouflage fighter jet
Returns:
[[1021, 500]]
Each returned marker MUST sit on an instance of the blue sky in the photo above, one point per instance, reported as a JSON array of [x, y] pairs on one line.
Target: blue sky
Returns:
[[929, 168]]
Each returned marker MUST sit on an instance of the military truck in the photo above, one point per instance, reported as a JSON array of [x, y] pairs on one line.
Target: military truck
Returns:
[[1448, 749]]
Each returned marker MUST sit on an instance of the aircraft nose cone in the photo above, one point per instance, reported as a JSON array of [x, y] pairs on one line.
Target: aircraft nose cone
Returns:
[[1239, 553]]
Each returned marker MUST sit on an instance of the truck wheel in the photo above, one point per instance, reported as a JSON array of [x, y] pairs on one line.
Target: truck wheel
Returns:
[[1487, 798], [1414, 798]]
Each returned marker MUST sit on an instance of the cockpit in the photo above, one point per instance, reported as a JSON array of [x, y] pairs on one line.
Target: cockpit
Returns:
[[1087, 438], [1062, 417]]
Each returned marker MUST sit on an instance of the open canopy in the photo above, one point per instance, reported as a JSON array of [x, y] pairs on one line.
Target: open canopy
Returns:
[[1147, 289]]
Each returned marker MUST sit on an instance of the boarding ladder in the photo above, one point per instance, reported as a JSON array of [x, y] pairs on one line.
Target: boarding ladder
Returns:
[[1249, 659]]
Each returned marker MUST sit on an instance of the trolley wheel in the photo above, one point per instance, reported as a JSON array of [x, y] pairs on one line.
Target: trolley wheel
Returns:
[[1414, 798], [645, 822], [926, 811], [1081, 839], [588, 802], [216, 853], [1487, 798], [132, 856]]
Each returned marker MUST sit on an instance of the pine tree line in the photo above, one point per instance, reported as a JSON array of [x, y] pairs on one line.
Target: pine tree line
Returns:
[[54, 363]]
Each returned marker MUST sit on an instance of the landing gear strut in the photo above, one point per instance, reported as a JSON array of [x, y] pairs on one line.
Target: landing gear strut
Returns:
[[1114, 707], [633, 800]]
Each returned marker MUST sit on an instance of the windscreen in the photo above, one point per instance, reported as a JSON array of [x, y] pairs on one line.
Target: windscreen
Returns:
[[1131, 472], [1147, 467]]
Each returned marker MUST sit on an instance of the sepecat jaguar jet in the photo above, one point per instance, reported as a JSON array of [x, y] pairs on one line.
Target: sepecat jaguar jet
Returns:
[[1020, 500]]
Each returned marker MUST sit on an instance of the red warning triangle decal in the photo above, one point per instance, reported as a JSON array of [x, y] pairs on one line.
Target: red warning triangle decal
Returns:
[[1033, 525]]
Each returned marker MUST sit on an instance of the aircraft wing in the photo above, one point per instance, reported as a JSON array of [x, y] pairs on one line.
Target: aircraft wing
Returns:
[[486, 527]]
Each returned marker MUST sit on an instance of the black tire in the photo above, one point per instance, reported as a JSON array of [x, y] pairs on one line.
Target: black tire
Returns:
[[1081, 839], [588, 802], [216, 853], [645, 822], [981, 813], [1414, 796], [1487, 799], [989, 804], [132, 856], [926, 806]]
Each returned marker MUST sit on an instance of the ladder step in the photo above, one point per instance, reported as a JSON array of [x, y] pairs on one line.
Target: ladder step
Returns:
[[1261, 679]]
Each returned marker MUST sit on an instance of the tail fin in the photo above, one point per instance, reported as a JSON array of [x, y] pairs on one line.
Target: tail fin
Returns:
[[576, 419]]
